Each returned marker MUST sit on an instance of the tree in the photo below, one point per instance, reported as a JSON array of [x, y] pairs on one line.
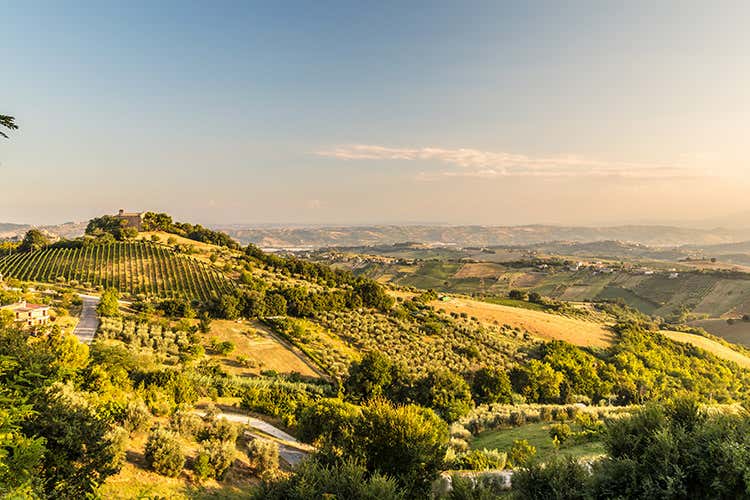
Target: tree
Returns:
[[447, 393], [491, 385], [108, 304], [8, 122], [82, 448], [215, 458], [369, 377], [536, 298], [164, 453], [406, 442], [263, 455], [330, 421], [275, 304], [33, 240], [228, 306], [537, 381], [109, 224]]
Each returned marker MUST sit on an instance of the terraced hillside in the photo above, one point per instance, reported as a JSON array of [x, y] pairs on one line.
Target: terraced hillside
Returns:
[[131, 267]]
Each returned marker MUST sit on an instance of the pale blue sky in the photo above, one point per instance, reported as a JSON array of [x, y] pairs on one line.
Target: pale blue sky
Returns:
[[370, 112]]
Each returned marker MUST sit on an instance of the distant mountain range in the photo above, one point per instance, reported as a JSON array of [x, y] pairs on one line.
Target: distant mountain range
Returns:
[[66, 230], [463, 236], [315, 237]]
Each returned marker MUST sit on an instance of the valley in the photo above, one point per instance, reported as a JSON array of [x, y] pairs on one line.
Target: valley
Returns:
[[521, 352]]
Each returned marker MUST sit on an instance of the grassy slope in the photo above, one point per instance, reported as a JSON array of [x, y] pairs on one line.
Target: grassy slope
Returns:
[[260, 346], [539, 324], [537, 435], [738, 333], [711, 346], [136, 481]]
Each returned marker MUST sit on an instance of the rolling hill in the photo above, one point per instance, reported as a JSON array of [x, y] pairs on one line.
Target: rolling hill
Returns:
[[317, 237], [132, 268]]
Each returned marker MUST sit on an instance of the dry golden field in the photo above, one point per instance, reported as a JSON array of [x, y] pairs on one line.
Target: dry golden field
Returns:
[[262, 349], [711, 346], [539, 324]]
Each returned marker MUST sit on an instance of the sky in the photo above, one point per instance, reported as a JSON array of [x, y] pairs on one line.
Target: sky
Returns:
[[322, 112]]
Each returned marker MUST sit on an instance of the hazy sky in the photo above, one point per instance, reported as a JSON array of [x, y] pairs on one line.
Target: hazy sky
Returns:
[[371, 112]]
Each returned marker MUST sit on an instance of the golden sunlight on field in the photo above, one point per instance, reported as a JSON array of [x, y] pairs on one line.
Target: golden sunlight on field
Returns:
[[539, 324]]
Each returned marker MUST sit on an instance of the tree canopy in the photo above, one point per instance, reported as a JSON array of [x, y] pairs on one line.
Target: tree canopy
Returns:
[[8, 122]]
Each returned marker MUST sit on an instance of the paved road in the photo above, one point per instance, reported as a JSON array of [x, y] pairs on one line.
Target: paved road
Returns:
[[290, 450], [89, 320]]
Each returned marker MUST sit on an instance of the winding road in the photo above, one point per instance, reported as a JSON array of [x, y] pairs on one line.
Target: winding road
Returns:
[[88, 322], [290, 449]]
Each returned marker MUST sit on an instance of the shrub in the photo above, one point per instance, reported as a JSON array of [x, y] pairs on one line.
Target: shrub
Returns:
[[346, 480], [185, 423], [520, 453], [220, 429], [224, 347], [482, 460], [571, 411], [164, 453], [545, 414], [517, 418], [263, 455], [137, 416], [458, 444], [588, 422], [559, 478], [214, 459], [560, 431], [481, 487], [559, 414]]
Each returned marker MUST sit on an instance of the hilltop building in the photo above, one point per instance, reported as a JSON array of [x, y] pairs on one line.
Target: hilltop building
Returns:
[[29, 314], [134, 219]]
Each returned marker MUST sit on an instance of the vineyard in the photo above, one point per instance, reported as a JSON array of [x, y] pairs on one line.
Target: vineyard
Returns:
[[129, 267]]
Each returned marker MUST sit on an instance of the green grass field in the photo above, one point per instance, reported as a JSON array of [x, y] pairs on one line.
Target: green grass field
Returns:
[[630, 298], [513, 303], [538, 436]]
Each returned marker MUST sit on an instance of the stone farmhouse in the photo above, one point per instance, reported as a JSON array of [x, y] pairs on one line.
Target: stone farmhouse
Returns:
[[29, 314], [134, 219]]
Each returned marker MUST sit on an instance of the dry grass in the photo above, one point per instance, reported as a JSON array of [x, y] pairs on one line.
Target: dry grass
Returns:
[[135, 480], [711, 346], [262, 348], [539, 324], [737, 333], [202, 251]]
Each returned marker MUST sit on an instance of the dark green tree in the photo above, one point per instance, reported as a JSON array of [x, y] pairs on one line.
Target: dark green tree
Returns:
[[491, 385], [447, 393], [8, 122], [33, 240], [369, 377]]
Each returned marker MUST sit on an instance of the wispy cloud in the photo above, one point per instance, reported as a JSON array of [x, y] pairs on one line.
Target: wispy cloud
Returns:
[[488, 164]]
